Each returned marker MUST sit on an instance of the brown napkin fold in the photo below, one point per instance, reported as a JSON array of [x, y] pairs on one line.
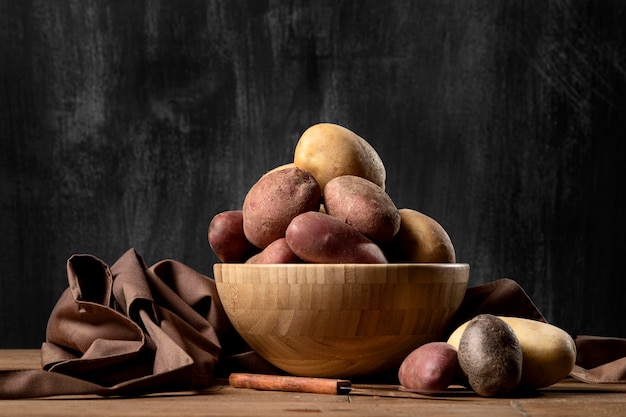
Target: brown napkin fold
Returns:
[[502, 297], [129, 330], [600, 360]]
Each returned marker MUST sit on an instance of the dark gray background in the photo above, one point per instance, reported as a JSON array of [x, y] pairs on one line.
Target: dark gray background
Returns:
[[131, 123]]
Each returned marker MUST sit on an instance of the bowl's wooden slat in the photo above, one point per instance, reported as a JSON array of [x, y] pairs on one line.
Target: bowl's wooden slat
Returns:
[[339, 320]]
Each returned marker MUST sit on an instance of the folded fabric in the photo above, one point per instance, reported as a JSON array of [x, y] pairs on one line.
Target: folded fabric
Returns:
[[129, 330], [600, 359]]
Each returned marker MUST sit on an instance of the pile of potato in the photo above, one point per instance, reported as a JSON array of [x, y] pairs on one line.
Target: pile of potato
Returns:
[[495, 356], [327, 206]]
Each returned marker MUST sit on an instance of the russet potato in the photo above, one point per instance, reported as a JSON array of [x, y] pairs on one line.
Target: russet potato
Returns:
[[490, 356], [549, 352], [274, 200], [363, 205]]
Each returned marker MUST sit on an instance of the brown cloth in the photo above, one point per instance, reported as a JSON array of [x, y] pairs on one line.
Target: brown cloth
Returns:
[[129, 330], [600, 360]]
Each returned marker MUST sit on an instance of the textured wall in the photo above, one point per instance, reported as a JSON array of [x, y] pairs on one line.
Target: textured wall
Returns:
[[131, 123]]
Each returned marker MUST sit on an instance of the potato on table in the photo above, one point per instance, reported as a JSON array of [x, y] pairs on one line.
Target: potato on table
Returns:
[[490, 356], [549, 352], [429, 368]]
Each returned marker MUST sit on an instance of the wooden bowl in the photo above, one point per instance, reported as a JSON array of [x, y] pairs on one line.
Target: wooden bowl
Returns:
[[339, 320]]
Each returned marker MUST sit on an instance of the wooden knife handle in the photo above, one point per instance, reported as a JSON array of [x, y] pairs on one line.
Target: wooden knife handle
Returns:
[[289, 383]]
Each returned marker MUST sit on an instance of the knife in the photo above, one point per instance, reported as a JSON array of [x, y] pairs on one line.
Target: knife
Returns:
[[290, 383], [329, 386]]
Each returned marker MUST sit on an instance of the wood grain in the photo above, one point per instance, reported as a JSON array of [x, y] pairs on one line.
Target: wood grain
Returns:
[[129, 124], [340, 320], [567, 398]]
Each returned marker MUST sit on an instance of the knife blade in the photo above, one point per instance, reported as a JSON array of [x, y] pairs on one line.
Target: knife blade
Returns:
[[378, 390]]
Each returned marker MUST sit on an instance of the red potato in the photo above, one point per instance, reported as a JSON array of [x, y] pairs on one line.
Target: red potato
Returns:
[[429, 368], [226, 237], [274, 200], [320, 238], [363, 205], [277, 252]]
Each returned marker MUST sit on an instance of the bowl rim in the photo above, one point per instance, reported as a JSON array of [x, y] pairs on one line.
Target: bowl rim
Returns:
[[350, 272]]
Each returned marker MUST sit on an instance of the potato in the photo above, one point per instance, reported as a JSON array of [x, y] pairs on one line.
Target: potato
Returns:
[[549, 352], [363, 205], [274, 200], [429, 368], [226, 237], [328, 150], [420, 239], [490, 355], [277, 252], [320, 238]]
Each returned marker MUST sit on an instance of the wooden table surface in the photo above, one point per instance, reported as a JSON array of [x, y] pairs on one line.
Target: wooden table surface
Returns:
[[568, 398]]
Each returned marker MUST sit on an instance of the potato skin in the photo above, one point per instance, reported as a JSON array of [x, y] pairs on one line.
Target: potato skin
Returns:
[[363, 205], [420, 239], [549, 352], [277, 252], [329, 150], [429, 368], [227, 239], [320, 238], [274, 200], [490, 355]]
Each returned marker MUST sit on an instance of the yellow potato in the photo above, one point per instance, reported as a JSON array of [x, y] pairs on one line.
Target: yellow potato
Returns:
[[328, 150], [549, 352], [421, 239]]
